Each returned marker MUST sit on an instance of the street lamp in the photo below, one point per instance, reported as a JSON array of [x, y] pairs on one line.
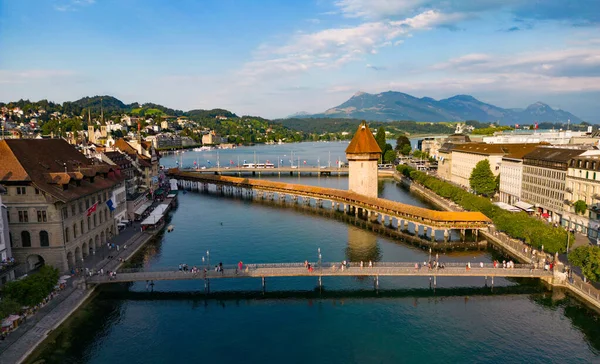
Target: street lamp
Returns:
[[319, 251]]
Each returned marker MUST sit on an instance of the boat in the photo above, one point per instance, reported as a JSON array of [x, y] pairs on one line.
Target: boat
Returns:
[[170, 228]]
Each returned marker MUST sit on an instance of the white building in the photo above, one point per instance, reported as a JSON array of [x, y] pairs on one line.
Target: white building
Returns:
[[530, 136], [6, 273], [511, 175], [583, 184]]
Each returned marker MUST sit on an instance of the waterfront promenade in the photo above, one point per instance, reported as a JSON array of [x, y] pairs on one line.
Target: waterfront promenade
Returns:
[[19, 344], [514, 247]]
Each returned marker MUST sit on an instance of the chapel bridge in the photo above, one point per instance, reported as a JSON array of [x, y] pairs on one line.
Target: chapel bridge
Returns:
[[393, 269], [392, 214]]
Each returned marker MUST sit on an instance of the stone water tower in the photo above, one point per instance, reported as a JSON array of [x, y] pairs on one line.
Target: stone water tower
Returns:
[[363, 154]]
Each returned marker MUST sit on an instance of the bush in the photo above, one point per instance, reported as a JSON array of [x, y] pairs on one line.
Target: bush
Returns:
[[31, 290], [517, 225]]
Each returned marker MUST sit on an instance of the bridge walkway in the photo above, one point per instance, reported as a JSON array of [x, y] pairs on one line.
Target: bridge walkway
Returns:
[[327, 270]]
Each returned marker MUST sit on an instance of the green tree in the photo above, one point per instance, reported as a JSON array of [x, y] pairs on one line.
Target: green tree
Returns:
[[389, 156], [380, 138], [588, 258], [580, 207], [401, 142], [406, 149], [482, 179]]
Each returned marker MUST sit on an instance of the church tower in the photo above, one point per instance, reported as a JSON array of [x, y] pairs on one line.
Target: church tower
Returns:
[[91, 134], [363, 154]]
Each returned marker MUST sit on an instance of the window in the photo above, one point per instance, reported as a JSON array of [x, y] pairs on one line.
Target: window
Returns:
[[81, 207], [23, 216], [44, 241], [21, 190], [105, 215], [95, 220], [87, 203], [10, 239], [73, 212], [89, 223], [42, 216], [65, 213], [67, 234], [81, 226], [74, 230], [37, 191], [25, 239], [8, 215]]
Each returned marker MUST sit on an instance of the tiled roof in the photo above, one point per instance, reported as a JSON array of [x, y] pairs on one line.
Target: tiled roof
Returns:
[[561, 155], [363, 141], [50, 164], [491, 149], [415, 212], [519, 152]]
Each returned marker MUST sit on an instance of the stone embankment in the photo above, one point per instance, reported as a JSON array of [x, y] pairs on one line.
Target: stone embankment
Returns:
[[515, 248]]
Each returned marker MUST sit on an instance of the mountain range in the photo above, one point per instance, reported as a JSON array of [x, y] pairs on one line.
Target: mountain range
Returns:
[[392, 105]]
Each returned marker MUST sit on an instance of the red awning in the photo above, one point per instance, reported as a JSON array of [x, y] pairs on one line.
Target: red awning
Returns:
[[545, 215]]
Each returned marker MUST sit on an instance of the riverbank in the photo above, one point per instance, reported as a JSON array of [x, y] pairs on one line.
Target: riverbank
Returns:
[[73, 299], [515, 248]]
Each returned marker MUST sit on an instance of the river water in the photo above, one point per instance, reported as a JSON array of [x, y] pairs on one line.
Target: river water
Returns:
[[294, 322]]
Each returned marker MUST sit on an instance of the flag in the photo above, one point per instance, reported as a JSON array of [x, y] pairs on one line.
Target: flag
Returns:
[[516, 126], [109, 203], [304, 162], [231, 161], [195, 162], [535, 126], [92, 209]]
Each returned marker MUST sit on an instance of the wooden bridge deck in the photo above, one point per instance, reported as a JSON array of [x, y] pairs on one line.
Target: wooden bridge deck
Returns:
[[328, 270], [438, 219]]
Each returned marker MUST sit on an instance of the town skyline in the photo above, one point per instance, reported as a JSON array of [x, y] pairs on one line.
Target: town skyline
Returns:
[[280, 58]]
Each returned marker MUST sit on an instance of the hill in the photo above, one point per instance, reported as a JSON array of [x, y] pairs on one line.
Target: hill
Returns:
[[392, 105]]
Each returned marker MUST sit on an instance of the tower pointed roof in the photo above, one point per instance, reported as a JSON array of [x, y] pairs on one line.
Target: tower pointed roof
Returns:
[[363, 141]]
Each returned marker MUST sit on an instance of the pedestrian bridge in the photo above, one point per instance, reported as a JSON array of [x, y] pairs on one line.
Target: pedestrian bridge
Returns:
[[392, 269], [378, 210]]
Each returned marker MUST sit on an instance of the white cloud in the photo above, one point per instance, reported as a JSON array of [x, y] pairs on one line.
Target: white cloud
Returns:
[[22, 76], [72, 5], [377, 8], [330, 48]]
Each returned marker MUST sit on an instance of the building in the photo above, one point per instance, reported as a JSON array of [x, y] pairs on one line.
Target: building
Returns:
[[167, 141], [211, 138], [144, 159], [363, 154], [7, 272], [466, 156], [57, 202], [583, 184], [544, 178], [444, 154], [511, 174], [560, 137]]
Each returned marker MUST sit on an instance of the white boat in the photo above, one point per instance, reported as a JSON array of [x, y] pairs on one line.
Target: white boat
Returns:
[[170, 228]]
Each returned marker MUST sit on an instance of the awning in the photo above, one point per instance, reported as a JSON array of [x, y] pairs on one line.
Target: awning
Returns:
[[159, 210], [143, 208], [120, 224], [507, 207], [125, 221], [152, 220], [524, 206], [545, 215], [171, 195]]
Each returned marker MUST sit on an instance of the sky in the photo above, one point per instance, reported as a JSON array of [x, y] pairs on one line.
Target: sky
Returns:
[[273, 58]]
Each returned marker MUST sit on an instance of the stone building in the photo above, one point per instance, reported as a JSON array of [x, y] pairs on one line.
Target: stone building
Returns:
[[583, 183], [56, 199], [511, 174], [544, 178], [444, 154], [363, 154], [7, 272]]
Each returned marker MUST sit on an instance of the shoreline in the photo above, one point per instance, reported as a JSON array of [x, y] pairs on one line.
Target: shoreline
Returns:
[[577, 287]]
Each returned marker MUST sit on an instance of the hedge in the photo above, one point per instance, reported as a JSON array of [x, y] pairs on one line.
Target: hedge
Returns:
[[520, 225]]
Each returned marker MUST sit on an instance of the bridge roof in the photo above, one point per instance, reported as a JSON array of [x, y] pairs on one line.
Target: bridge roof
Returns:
[[400, 208], [363, 141]]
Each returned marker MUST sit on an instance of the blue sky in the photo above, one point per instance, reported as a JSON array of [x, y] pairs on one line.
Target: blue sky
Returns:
[[274, 58]]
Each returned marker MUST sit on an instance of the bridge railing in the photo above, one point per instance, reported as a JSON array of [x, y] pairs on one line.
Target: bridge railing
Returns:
[[315, 265]]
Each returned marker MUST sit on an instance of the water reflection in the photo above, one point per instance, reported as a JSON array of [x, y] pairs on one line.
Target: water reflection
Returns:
[[362, 246]]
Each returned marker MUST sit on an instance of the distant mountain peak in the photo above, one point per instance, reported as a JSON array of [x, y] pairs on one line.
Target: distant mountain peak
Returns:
[[395, 105]]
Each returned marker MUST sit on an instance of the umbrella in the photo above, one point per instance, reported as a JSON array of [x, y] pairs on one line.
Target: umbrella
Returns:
[[65, 277]]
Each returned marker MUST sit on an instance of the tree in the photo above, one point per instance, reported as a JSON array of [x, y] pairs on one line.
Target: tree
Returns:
[[401, 142], [389, 156], [580, 207], [588, 258], [380, 138], [482, 179], [406, 149]]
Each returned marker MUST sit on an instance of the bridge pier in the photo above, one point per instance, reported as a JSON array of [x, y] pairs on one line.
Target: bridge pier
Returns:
[[264, 285], [376, 283], [206, 285]]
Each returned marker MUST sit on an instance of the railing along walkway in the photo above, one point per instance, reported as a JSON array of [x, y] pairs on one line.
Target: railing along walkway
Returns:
[[327, 270]]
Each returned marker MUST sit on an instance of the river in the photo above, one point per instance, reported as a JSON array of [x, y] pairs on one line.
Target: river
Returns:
[[294, 322]]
